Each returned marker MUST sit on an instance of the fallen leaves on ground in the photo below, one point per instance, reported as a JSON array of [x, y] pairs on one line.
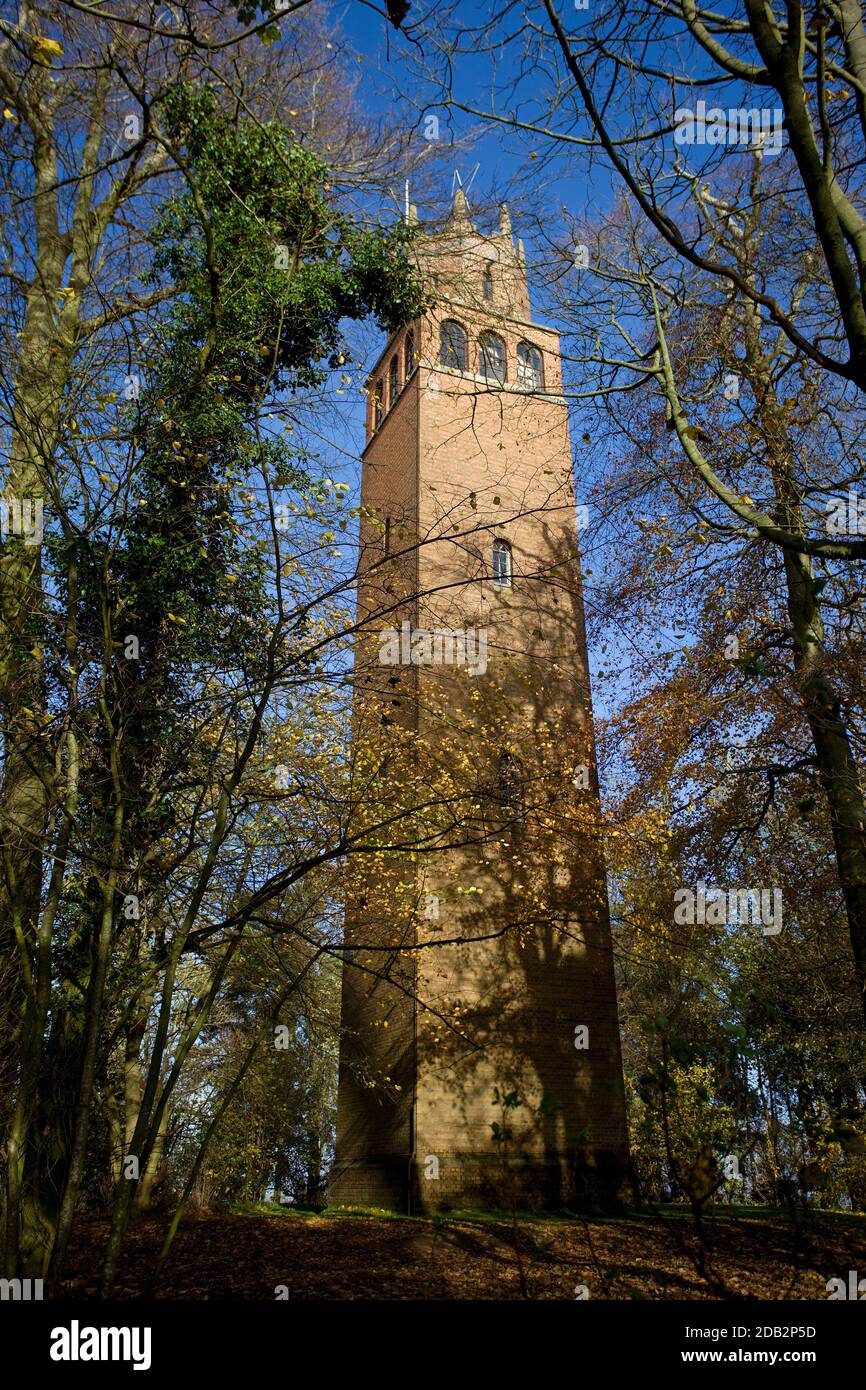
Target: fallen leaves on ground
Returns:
[[344, 1256]]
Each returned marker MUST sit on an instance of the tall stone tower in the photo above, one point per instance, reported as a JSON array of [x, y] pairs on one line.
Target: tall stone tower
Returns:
[[480, 1060]]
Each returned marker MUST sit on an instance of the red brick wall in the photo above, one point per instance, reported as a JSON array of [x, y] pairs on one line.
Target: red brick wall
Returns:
[[460, 461]]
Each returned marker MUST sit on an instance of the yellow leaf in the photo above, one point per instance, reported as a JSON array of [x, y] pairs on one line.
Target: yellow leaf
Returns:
[[10, 115], [45, 49]]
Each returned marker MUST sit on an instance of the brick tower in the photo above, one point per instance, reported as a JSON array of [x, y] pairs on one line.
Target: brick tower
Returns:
[[480, 1058]]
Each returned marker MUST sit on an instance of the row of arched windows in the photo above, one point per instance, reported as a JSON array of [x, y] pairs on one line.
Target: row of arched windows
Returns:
[[395, 385], [454, 353], [492, 357]]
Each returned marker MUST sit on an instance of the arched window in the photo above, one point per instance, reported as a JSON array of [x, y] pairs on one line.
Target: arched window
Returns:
[[502, 563], [393, 382], [452, 345], [409, 355], [378, 404], [530, 369], [487, 284], [491, 357]]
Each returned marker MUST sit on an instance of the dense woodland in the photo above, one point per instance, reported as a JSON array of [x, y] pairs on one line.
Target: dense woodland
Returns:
[[201, 254]]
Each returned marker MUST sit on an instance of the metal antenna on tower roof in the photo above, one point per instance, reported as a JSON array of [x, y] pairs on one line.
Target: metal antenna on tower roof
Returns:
[[457, 181]]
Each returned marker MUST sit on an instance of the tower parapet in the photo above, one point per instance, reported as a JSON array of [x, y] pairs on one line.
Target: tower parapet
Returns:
[[469, 266]]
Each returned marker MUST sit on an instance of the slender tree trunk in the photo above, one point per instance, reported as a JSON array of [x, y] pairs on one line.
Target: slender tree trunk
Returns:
[[821, 702], [44, 365], [836, 766], [93, 1030], [144, 1191]]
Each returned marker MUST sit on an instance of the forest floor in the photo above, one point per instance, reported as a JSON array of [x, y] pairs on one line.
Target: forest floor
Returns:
[[269, 1252]]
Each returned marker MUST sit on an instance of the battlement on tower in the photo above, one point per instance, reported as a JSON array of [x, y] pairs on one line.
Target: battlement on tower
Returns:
[[473, 267]]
